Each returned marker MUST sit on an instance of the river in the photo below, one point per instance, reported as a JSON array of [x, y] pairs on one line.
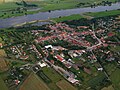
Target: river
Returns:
[[9, 22]]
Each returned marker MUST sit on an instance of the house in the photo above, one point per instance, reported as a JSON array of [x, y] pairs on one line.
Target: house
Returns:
[[59, 58], [100, 69], [48, 46], [36, 68], [110, 34], [73, 81], [87, 70], [1, 45], [17, 82], [52, 61], [24, 57], [42, 64]]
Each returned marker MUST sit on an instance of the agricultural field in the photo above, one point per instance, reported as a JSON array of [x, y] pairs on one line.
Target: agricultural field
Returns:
[[3, 65], [108, 88], [64, 85], [115, 78], [53, 76], [2, 85], [33, 83], [2, 53]]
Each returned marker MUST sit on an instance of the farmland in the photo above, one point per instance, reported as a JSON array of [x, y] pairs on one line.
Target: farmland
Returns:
[[2, 53], [108, 88], [64, 85], [33, 79], [116, 79], [3, 65], [2, 85], [54, 77]]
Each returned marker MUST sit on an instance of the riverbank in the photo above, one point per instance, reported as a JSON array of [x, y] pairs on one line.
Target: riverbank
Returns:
[[9, 22], [47, 5], [88, 15]]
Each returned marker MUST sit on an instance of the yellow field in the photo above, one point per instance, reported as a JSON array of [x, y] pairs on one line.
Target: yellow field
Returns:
[[108, 88], [33, 82], [64, 85], [3, 65], [2, 53]]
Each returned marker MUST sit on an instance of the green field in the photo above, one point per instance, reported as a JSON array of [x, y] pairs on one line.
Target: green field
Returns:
[[115, 77], [115, 49], [45, 5], [8, 6], [33, 83], [66, 4], [54, 76], [57, 80], [68, 18], [103, 14], [2, 85], [96, 80]]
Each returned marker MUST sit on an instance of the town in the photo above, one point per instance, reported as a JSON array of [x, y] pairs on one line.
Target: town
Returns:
[[81, 54]]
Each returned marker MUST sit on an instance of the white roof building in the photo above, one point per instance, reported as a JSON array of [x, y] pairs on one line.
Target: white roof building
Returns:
[[42, 64]]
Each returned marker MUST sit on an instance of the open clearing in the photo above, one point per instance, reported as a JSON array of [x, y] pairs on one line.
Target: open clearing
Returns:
[[33, 82], [64, 85]]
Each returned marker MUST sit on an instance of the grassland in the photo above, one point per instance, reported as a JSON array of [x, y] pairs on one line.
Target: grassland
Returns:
[[115, 78], [2, 85], [67, 4], [33, 83], [64, 85], [103, 14], [45, 5], [54, 77], [115, 49], [68, 18]]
